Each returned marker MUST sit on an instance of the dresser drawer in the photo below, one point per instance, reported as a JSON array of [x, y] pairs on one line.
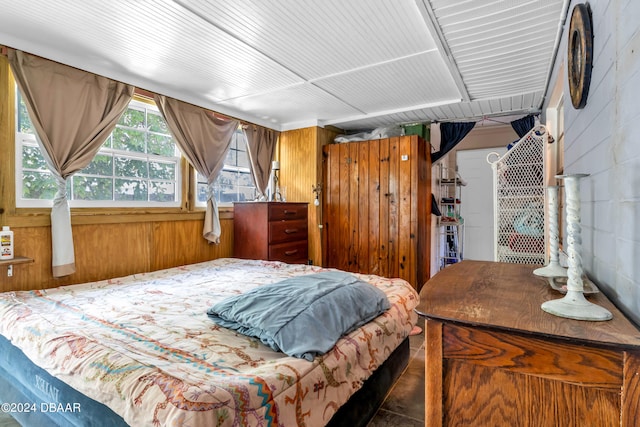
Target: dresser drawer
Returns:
[[287, 211], [294, 252], [287, 231]]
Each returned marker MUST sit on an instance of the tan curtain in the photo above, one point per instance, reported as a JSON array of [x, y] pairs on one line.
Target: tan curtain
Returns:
[[261, 144], [204, 140], [73, 112]]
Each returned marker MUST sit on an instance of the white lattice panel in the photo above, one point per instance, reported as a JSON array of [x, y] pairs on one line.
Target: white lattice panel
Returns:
[[520, 201]]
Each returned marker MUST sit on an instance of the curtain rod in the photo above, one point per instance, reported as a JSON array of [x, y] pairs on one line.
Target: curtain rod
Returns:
[[490, 118]]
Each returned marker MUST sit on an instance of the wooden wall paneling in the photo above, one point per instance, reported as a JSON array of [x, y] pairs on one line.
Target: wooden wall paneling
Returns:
[[325, 202], [374, 207], [300, 153], [363, 207], [415, 208], [299, 163], [354, 206], [394, 181], [314, 213], [424, 213], [111, 250], [102, 251], [384, 238], [330, 198], [33, 242], [344, 206], [178, 243], [325, 137], [7, 141], [406, 217]]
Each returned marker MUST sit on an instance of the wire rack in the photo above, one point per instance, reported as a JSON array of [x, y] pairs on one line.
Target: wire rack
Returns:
[[519, 201]]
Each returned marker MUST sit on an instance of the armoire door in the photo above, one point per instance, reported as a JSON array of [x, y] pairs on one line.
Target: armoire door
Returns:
[[375, 208]]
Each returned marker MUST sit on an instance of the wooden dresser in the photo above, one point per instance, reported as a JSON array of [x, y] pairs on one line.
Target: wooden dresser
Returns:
[[273, 231], [494, 358]]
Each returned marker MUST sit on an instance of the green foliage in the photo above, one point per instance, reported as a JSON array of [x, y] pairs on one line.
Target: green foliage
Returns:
[[129, 140], [155, 123], [32, 158], [24, 121], [133, 118], [102, 164], [110, 176], [140, 176], [38, 185], [158, 170], [131, 190], [129, 167], [92, 188], [161, 145], [162, 191]]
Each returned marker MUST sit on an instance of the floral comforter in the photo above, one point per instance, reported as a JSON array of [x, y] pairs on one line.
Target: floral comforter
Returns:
[[144, 346]]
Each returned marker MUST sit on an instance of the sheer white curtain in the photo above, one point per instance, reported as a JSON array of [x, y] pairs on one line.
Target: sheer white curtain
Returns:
[[204, 140], [73, 112]]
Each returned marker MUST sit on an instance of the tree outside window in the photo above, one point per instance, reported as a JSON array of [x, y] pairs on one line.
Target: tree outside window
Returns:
[[138, 165]]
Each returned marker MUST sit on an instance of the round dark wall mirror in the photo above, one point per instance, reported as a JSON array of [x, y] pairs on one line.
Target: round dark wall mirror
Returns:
[[580, 54]]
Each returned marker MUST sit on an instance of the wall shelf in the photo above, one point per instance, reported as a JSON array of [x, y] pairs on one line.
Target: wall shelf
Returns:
[[14, 261]]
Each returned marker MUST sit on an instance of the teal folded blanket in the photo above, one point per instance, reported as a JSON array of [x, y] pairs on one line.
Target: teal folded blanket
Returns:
[[302, 316]]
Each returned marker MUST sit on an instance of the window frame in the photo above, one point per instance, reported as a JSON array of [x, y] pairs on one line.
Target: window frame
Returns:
[[138, 103], [228, 168], [41, 217]]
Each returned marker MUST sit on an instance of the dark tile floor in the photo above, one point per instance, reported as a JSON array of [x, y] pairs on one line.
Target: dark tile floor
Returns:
[[404, 406], [7, 421]]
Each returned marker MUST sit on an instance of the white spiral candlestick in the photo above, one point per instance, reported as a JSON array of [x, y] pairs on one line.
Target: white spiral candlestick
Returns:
[[553, 269], [574, 305]]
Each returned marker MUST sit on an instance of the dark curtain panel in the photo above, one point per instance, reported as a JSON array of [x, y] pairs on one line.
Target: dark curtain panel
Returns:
[[434, 206], [450, 135], [204, 140], [524, 125], [261, 143]]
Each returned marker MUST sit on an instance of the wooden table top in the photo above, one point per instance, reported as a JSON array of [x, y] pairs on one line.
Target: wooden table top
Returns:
[[508, 297]]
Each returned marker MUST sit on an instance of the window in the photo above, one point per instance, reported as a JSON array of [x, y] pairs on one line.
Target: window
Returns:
[[138, 165], [234, 183]]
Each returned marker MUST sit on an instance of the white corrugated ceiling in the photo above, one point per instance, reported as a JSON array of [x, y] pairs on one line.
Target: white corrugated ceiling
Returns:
[[285, 64]]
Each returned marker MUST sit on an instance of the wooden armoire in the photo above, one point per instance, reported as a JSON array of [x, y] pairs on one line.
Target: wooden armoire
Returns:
[[377, 207]]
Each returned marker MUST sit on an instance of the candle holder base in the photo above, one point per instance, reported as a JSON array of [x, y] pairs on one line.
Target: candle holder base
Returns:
[[553, 269], [575, 306]]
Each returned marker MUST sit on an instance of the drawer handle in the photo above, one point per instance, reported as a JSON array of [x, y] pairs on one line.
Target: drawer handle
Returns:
[[293, 252], [286, 212], [290, 230]]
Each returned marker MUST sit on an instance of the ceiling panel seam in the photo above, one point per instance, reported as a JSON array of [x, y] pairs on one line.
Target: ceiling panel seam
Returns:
[[439, 39], [373, 65], [298, 75], [393, 111], [230, 34]]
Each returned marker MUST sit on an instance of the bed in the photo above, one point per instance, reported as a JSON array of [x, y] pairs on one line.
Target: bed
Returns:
[[142, 351]]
